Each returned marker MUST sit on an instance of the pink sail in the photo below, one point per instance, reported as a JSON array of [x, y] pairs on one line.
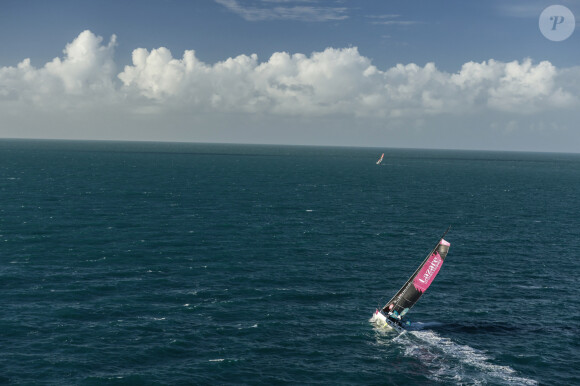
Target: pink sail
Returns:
[[418, 283], [426, 275]]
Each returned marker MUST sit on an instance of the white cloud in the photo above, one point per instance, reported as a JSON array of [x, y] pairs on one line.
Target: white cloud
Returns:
[[528, 88], [261, 11], [515, 87], [87, 71], [333, 85], [522, 9], [341, 81], [87, 65]]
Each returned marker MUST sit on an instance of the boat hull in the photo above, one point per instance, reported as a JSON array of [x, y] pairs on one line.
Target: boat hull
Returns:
[[382, 321]]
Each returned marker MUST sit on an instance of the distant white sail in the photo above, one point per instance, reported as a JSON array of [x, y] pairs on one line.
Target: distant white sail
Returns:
[[380, 159]]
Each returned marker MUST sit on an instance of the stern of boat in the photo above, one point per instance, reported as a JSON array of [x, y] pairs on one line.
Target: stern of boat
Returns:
[[381, 320]]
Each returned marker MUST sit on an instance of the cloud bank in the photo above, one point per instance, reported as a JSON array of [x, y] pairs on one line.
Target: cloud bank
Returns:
[[330, 84]]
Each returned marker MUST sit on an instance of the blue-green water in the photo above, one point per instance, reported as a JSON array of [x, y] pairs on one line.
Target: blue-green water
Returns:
[[144, 263]]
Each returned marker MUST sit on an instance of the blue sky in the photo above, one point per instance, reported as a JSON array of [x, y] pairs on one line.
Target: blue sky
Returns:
[[465, 78]]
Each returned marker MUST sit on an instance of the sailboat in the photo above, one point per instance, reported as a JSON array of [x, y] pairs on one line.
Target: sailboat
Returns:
[[392, 314], [381, 159]]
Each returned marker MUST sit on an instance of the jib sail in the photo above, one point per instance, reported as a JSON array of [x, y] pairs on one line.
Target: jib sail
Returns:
[[418, 283]]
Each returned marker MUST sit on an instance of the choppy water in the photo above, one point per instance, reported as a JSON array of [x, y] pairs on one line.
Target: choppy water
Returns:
[[144, 263]]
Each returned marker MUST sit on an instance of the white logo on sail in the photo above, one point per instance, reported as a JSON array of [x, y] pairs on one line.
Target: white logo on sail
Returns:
[[432, 268]]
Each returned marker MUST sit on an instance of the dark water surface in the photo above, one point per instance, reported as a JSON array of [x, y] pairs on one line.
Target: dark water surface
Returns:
[[148, 263]]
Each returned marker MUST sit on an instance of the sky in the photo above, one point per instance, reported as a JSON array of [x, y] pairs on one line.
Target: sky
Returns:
[[454, 74]]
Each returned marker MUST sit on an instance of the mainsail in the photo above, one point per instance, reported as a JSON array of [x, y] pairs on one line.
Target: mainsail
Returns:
[[380, 159], [418, 283]]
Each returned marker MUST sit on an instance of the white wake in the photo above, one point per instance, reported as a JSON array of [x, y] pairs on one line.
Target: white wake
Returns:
[[452, 362]]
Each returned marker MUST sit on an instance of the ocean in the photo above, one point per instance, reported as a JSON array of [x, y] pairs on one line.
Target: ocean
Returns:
[[163, 263]]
